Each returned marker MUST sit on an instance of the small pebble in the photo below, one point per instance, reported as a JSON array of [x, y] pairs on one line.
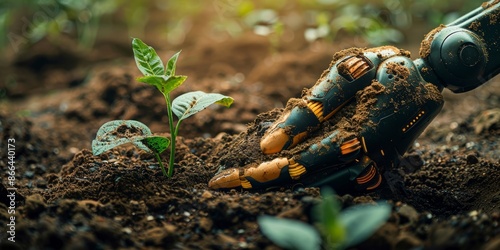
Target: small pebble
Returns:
[[207, 194], [74, 150], [473, 213], [472, 159], [470, 145]]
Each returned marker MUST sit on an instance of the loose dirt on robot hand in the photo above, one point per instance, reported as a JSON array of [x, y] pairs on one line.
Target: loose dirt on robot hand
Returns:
[[348, 122], [487, 5], [425, 46]]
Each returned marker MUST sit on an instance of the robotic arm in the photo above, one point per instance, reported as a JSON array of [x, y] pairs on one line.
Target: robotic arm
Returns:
[[465, 53], [394, 100]]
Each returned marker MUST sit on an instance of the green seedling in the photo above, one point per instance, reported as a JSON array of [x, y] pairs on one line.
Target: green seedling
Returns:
[[116, 133], [339, 229]]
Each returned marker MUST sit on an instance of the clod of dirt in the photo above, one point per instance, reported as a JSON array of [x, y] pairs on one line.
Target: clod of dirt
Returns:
[[489, 4], [425, 46]]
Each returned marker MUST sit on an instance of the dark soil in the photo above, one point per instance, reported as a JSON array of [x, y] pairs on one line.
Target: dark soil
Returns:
[[445, 194]]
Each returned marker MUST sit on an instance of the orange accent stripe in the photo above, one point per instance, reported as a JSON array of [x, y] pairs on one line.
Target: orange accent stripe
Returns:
[[377, 184], [350, 146], [368, 177], [357, 67], [317, 109], [245, 183], [338, 108], [295, 170], [360, 69], [364, 144], [334, 112]]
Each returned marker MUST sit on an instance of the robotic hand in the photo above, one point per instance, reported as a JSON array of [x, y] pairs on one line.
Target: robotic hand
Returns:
[[393, 100]]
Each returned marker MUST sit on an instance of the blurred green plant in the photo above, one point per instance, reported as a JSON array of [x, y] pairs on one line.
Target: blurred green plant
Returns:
[[339, 229], [36, 19], [25, 22], [380, 22]]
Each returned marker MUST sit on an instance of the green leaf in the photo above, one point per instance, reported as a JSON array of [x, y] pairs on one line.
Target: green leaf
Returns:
[[165, 84], [115, 133], [157, 144], [290, 234], [146, 59], [154, 80], [191, 103], [361, 221], [170, 70], [172, 83], [327, 213]]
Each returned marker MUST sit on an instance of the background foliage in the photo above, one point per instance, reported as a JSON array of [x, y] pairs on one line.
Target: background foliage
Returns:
[[25, 22]]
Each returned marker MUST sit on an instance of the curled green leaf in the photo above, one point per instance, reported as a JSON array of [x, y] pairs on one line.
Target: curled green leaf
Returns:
[[115, 133], [191, 103]]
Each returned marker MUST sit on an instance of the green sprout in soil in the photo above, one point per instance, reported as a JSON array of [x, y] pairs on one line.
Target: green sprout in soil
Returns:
[[338, 229], [118, 132]]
